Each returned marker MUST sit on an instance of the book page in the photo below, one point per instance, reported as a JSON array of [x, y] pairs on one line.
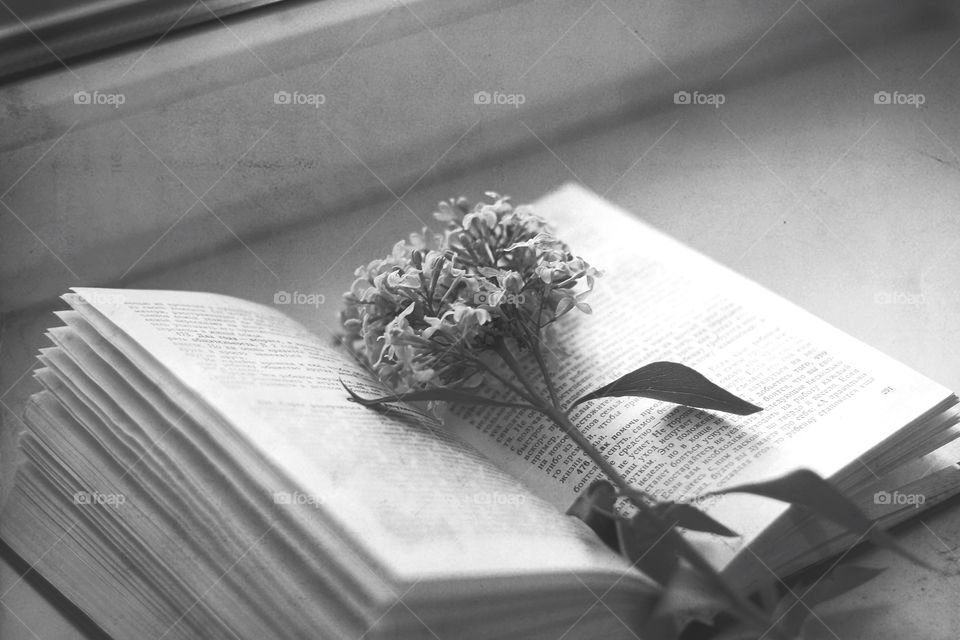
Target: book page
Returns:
[[412, 497], [827, 398]]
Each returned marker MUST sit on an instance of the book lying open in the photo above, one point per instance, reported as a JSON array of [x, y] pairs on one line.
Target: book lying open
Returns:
[[192, 467]]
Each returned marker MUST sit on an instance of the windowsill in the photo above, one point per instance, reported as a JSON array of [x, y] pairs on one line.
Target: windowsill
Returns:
[[198, 118]]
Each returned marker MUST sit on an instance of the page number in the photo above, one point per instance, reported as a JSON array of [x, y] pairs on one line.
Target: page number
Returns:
[[886, 390]]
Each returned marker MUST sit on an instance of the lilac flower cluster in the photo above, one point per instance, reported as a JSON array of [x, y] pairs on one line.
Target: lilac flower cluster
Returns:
[[424, 315]]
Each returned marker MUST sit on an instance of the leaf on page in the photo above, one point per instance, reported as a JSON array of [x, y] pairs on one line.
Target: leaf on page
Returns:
[[595, 507], [690, 517], [805, 488], [687, 597], [673, 382], [648, 547], [600, 495]]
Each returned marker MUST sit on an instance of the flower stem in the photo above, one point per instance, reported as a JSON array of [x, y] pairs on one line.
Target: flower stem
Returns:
[[506, 383], [500, 346], [551, 389]]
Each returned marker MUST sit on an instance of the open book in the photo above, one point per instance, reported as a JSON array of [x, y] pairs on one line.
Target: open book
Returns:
[[193, 468]]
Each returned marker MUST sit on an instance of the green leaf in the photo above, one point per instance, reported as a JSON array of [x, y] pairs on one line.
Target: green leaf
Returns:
[[690, 517], [648, 548], [595, 507], [687, 597], [769, 594], [599, 495], [446, 395], [792, 613], [805, 488], [677, 383]]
